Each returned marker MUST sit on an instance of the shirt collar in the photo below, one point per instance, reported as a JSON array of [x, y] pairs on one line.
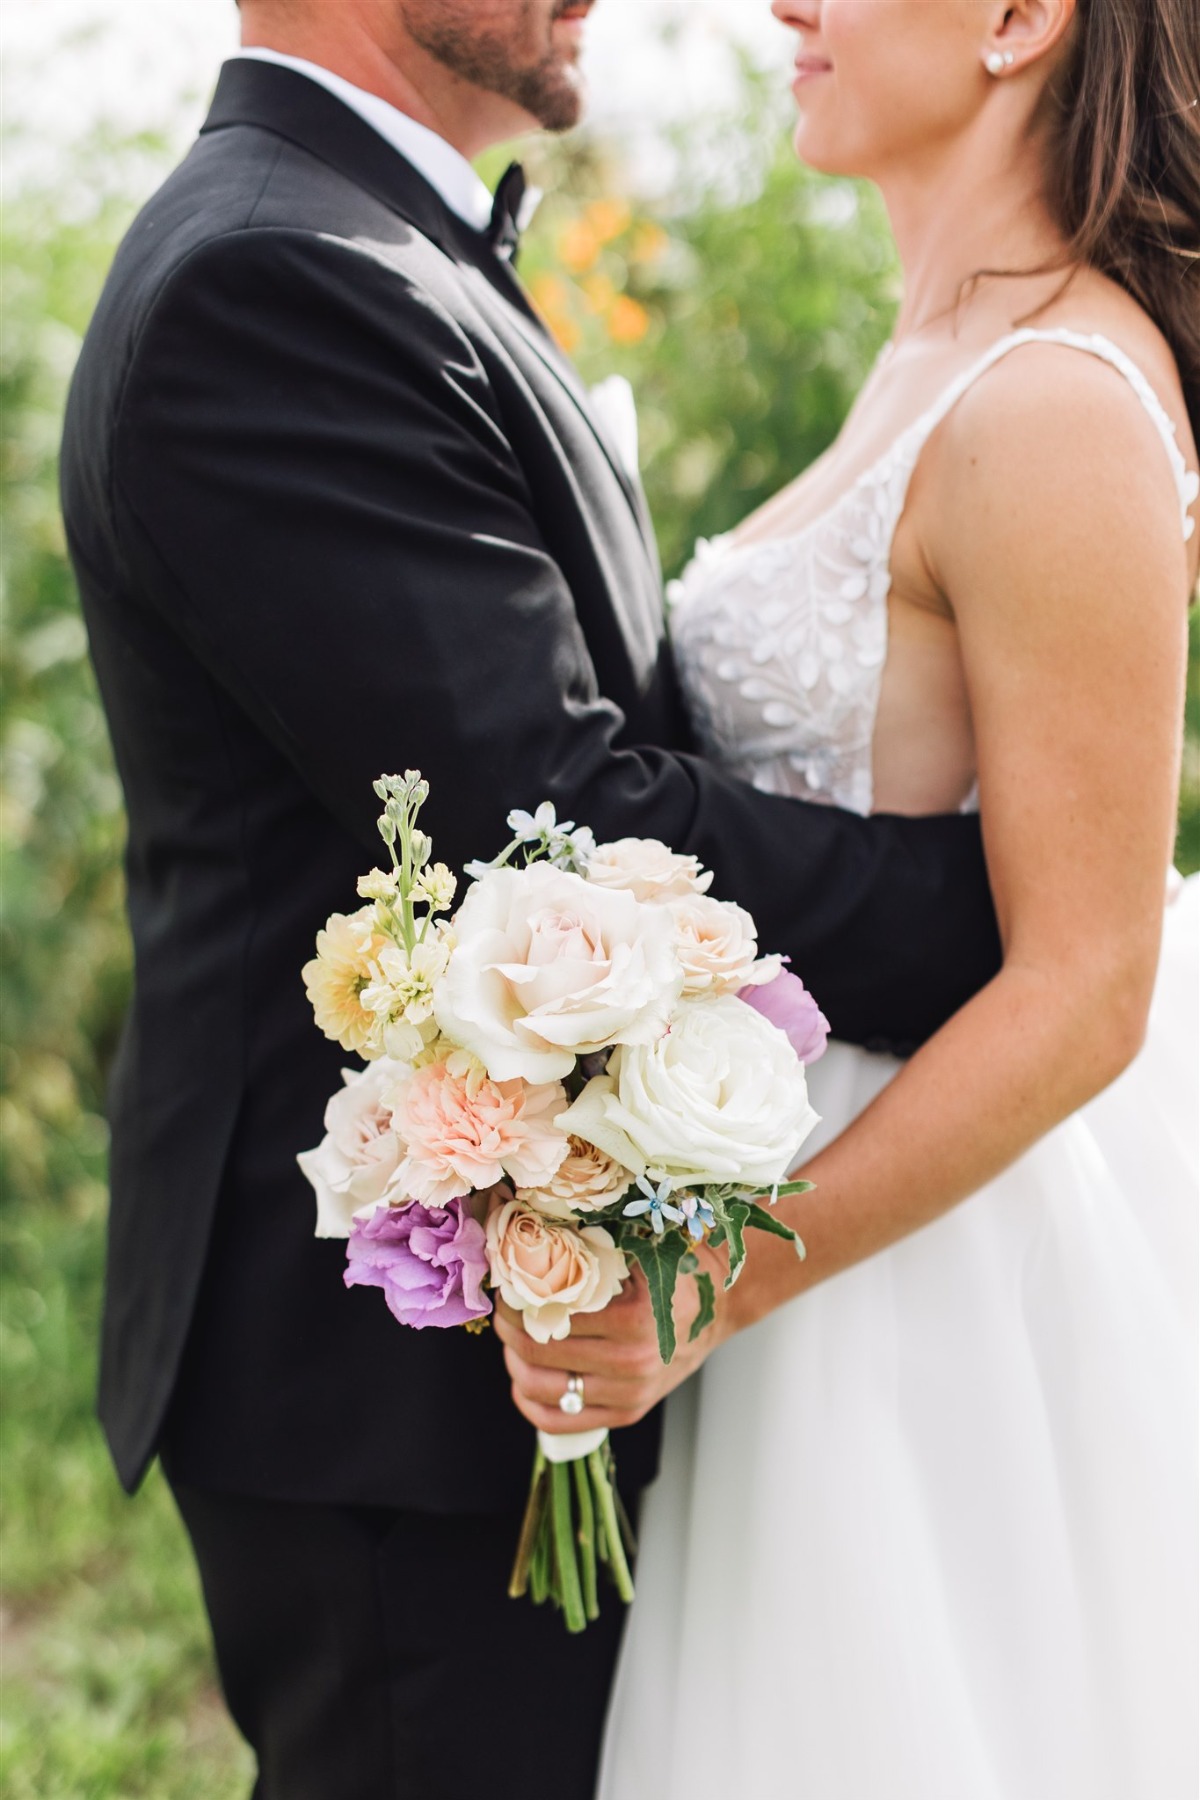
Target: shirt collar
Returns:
[[439, 162]]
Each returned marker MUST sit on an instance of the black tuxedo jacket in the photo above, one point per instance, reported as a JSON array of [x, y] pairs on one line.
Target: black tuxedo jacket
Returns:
[[338, 506]]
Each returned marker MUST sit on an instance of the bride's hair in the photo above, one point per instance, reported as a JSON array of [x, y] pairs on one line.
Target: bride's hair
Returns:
[[1125, 161]]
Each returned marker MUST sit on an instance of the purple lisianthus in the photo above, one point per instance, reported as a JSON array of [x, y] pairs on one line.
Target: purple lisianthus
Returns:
[[787, 1003], [430, 1261]]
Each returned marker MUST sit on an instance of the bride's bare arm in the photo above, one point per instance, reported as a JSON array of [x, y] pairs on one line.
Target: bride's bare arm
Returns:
[[1052, 527]]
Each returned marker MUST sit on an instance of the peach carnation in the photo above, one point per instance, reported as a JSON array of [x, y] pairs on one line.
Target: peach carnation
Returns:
[[464, 1131]]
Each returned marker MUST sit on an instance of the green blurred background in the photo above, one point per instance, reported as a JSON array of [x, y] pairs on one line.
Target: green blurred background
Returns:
[[746, 311]]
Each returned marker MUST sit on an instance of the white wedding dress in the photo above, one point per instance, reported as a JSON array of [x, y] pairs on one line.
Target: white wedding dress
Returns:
[[929, 1532]]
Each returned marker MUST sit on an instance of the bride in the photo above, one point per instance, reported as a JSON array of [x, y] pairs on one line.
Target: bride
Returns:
[[926, 1526]]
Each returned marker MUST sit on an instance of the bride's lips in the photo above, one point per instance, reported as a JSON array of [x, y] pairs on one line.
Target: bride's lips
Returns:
[[808, 68]]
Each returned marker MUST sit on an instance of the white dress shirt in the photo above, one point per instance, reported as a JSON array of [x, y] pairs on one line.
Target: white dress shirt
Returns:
[[439, 162]]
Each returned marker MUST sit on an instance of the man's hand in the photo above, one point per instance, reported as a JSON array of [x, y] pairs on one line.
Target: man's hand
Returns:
[[615, 1352]]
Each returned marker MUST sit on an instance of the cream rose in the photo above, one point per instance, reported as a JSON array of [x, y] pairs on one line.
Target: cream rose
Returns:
[[547, 968], [355, 1166], [717, 946], [550, 1271], [646, 869], [720, 1098], [586, 1181]]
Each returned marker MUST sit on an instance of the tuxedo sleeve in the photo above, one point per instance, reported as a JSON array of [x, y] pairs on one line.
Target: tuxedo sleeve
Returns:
[[314, 484]]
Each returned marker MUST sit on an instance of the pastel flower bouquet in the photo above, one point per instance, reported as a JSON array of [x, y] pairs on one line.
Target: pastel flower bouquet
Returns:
[[588, 1069]]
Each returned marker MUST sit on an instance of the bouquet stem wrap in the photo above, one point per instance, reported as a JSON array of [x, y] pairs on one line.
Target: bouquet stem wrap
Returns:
[[574, 1522]]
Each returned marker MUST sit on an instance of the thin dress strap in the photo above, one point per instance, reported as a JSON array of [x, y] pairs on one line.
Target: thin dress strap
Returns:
[[1187, 481]]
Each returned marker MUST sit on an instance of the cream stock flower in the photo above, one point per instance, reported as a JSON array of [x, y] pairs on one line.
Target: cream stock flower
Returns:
[[401, 991], [721, 1098], [355, 1165], [337, 976], [647, 869], [464, 1131], [586, 1181], [550, 1271], [547, 967]]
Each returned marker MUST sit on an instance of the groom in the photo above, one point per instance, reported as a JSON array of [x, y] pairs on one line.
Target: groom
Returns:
[[338, 506]]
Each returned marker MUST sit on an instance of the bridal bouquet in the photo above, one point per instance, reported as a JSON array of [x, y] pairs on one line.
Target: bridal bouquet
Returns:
[[587, 1067]]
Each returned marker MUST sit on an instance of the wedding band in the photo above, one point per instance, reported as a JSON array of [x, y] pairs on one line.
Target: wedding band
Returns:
[[572, 1400]]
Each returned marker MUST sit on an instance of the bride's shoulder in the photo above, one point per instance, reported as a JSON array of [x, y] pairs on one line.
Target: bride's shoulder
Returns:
[[1073, 442], [1093, 361]]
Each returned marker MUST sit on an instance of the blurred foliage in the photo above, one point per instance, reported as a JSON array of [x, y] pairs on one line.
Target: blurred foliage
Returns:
[[746, 309]]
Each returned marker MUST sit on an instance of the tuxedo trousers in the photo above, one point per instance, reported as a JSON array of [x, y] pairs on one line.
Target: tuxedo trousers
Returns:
[[367, 1654]]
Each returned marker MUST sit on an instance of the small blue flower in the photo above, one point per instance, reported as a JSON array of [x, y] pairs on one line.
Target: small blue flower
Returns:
[[699, 1215], [655, 1206]]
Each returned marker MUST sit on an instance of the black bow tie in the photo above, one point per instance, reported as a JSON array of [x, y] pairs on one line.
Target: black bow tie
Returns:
[[504, 232]]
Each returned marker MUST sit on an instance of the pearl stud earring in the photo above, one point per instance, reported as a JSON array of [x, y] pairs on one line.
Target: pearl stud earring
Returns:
[[996, 61]]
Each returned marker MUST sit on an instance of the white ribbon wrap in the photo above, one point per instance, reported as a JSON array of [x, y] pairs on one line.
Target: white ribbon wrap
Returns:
[[571, 1446]]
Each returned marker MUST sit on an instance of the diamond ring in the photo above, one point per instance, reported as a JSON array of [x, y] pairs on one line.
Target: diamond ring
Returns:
[[572, 1400]]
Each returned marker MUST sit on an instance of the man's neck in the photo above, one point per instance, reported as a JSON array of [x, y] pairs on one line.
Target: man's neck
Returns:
[[407, 77]]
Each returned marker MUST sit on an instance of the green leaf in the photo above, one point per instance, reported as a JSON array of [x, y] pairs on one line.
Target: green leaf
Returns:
[[761, 1220], [737, 1212], [787, 1188], [708, 1306], [659, 1258]]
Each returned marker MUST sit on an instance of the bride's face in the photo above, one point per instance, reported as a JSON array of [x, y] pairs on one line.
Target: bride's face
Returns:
[[879, 82]]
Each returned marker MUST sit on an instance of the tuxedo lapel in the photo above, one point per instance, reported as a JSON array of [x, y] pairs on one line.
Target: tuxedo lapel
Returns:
[[291, 106]]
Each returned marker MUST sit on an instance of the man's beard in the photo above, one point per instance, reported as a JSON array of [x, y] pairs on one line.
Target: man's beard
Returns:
[[503, 59]]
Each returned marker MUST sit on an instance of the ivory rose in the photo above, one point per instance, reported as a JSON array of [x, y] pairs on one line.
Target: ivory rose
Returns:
[[550, 1271], [547, 967], [464, 1131], [355, 1165], [721, 1098], [586, 1181], [646, 869], [717, 946]]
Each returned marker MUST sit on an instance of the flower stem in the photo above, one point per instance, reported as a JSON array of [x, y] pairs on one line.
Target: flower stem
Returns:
[[565, 1549], [535, 1507], [587, 1538], [606, 1504]]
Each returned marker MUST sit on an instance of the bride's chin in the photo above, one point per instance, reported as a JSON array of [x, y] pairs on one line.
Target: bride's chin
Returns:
[[816, 152]]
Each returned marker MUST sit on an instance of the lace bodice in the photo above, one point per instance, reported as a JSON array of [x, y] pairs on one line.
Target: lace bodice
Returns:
[[782, 644]]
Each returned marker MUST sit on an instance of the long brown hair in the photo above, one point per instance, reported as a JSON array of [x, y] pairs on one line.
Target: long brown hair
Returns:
[[1124, 162]]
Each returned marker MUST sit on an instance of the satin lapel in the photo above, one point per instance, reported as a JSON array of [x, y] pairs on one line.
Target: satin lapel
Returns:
[[503, 282]]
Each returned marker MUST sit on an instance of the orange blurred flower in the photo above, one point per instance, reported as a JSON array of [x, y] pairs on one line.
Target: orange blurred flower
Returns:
[[608, 219], [628, 320], [552, 297], [578, 246], [650, 242]]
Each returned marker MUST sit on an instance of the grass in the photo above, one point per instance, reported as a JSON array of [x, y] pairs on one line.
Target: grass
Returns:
[[107, 1690]]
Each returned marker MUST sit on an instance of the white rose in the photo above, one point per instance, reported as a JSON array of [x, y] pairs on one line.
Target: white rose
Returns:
[[353, 1167], [720, 1098], [647, 869], [547, 968], [717, 946], [549, 1271]]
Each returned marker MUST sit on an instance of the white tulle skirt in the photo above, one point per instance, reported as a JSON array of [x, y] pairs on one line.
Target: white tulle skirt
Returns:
[[930, 1532]]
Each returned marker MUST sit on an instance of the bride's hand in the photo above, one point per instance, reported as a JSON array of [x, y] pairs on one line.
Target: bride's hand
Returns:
[[615, 1352]]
